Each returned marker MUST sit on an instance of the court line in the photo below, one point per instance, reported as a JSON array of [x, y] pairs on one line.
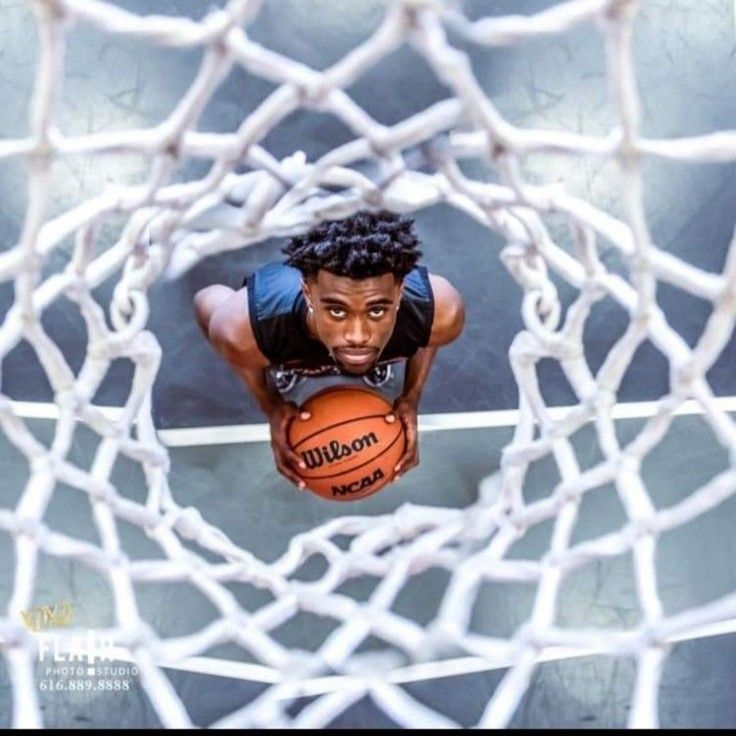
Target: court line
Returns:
[[411, 673], [244, 433]]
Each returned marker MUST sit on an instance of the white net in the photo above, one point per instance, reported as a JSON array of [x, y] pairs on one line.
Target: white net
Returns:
[[418, 160]]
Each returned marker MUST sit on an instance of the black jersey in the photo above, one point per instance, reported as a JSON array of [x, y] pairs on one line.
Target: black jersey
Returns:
[[278, 317]]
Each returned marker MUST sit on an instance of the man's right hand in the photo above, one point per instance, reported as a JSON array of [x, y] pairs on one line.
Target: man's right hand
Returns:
[[287, 461]]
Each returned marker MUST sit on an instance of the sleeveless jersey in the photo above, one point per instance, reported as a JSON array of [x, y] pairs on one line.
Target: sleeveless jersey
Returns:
[[278, 317]]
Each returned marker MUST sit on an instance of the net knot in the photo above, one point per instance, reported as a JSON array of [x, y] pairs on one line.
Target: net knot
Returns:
[[617, 11], [313, 94], [100, 350], [43, 463], [541, 310], [651, 638], [442, 636], [118, 560], [52, 10], [571, 492], [531, 636], [683, 377], [497, 146], [219, 23], [189, 523], [28, 527], [128, 309], [13, 634], [103, 492], [378, 139], [595, 286], [404, 522], [727, 298], [239, 623], [28, 318], [602, 401], [32, 261], [645, 526], [141, 636], [68, 399], [628, 463], [639, 260]]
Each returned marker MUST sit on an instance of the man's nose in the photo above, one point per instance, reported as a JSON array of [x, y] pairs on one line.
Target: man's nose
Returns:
[[357, 333]]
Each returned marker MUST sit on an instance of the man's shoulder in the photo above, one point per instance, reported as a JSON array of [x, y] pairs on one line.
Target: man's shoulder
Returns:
[[273, 288], [449, 311], [277, 270]]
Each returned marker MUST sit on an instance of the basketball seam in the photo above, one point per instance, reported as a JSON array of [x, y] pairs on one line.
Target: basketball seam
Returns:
[[357, 467]]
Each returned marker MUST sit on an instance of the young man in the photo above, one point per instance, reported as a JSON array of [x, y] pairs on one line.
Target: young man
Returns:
[[349, 305]]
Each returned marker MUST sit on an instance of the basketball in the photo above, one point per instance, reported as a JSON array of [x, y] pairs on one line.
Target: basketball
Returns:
[[349, 448]]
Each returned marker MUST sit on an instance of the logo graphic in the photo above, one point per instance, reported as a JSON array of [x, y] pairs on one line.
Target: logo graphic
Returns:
[[358, 485], [315, 457], [92, 647], [74, 662], [42, 617]]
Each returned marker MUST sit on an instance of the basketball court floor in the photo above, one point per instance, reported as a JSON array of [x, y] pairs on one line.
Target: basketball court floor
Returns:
[[221, 462], [235, 488]]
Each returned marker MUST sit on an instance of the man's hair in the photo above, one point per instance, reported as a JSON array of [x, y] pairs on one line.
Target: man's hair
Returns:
[[363, 245]]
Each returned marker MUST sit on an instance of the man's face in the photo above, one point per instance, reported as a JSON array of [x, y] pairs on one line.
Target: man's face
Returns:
[[353, 318]]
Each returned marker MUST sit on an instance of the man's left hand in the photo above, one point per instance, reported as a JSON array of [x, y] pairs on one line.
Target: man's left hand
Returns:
[[406, 410]]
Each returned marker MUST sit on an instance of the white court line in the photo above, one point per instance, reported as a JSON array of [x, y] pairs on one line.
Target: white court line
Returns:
[[411, 673], [243, 433]]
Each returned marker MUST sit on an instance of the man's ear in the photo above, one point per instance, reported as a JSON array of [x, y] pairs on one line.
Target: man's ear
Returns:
[[306, 291]]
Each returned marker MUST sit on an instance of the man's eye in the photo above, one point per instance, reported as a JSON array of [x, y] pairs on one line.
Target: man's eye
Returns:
[[336, 311], [378, 311]]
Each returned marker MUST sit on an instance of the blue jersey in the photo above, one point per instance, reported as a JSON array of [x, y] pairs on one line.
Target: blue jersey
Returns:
[[278, 317]]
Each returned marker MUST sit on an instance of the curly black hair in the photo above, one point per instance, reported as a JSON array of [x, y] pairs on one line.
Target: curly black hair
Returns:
[[362, 245]]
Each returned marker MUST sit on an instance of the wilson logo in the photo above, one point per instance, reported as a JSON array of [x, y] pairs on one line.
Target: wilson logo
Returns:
[[358, 485], [316, 457]]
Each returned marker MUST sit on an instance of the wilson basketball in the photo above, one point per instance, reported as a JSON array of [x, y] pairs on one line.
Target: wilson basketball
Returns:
[[349, 448]]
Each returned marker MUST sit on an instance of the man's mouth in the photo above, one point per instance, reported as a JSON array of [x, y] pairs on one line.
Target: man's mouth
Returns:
[[356, 357]]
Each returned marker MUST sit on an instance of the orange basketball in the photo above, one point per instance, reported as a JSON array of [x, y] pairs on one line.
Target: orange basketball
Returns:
[[348, 446]]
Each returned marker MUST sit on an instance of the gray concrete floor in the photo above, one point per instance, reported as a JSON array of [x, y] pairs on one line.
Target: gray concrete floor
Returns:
[[236, 488], [684, 61]]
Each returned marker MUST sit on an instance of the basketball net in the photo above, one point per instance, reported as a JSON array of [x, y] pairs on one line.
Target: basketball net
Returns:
[[162, 234]]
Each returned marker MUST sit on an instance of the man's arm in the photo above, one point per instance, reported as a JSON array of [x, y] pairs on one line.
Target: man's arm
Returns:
[[231, 334], [448, 323], [417, 373], [255, 380]]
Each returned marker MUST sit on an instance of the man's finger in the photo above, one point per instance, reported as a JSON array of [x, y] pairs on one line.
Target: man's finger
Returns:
[[409, 450], [403, 461], [289, 475], [283, 459], [409, 460], [293, 458], [296, 462]]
